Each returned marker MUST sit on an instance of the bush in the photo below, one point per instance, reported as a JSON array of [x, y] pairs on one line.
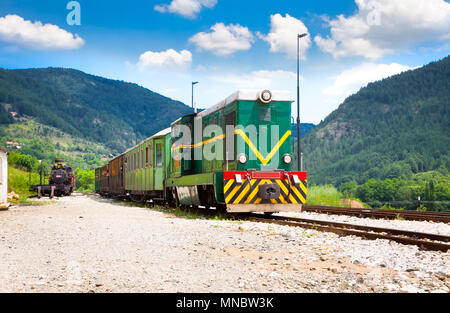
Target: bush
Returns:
[[20, 182]]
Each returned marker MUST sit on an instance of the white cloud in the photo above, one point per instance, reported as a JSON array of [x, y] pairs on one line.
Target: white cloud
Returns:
[[224, 40], [169, 59], [283, 35], [258, 79], [186, 8], [16, 30], [382, 26], [351, 80]]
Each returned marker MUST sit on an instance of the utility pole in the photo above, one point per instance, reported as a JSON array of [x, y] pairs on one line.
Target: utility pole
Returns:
[[40, 172], [193, 83], [300, 167], [293, 137], [136, 121]]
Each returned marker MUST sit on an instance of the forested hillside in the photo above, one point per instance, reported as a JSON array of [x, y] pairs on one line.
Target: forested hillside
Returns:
[[390, 129], [305, 128], [86, 106]]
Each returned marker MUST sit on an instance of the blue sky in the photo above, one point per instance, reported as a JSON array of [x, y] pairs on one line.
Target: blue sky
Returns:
[[227, 45]]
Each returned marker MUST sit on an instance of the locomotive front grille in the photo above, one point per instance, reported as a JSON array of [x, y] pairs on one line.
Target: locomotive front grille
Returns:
[[256, 191]]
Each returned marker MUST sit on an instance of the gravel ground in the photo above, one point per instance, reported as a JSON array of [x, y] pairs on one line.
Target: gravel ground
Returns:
[[89, 244]]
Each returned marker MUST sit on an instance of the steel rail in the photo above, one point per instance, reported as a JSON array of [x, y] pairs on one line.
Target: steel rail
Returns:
[[380, 213], [369, 232], [433, 241]]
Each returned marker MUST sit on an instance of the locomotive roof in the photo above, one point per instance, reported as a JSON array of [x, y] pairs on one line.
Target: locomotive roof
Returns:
[[162, 133], [159, 134], [246, 95]]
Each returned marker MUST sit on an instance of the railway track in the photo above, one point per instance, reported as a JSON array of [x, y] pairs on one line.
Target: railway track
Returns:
[[381, 213], [423, 240]]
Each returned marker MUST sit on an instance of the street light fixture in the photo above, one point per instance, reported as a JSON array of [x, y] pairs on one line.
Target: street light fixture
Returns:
[[193, 83], [300, 167]]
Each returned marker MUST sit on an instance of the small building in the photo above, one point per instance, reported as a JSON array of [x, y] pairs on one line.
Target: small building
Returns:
[[12, 144], [4, 178]]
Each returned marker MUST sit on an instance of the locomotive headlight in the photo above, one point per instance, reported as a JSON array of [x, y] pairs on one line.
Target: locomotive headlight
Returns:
[[265, 96], [242, 158], [287, 159]]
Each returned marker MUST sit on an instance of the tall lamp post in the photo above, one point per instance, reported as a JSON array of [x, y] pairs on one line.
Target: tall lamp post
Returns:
[[193, 83], [293, 137], [300, 167]]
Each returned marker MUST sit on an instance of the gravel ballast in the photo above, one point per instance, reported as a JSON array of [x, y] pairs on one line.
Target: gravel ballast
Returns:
[[89, 244]]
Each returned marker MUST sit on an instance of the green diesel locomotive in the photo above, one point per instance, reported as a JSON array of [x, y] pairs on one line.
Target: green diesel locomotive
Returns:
[[234, 156]]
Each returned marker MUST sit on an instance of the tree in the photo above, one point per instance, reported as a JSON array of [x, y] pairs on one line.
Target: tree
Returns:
[[85, 181], [348, 189]]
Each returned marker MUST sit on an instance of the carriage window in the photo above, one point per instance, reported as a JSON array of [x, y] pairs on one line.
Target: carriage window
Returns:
[[146, 156], [159, 159], [150, 155], [142, 158]]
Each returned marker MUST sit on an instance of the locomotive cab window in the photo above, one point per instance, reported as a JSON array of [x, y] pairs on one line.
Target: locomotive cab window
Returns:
[[159, 159]]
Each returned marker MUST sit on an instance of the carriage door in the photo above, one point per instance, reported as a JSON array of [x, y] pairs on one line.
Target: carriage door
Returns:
[[120, 173], [158, 168]]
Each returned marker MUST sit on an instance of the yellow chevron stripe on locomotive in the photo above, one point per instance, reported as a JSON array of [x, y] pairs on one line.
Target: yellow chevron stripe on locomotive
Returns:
[[256, 191]]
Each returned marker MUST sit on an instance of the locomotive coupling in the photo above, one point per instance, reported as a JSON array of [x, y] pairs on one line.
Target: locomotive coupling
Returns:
[[269, 191]]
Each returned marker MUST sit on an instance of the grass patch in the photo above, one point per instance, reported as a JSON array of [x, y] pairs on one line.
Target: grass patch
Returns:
[[399, 218], [28, 202], [388, 207], [20, 182], [324, 195]]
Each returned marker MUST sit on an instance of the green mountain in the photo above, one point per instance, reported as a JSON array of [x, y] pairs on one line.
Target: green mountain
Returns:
[[304, 129], [86, 106], [390, 129]]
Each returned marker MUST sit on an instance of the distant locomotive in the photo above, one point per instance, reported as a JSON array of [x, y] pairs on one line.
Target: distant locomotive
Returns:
[[247, 135], [60, 183]]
